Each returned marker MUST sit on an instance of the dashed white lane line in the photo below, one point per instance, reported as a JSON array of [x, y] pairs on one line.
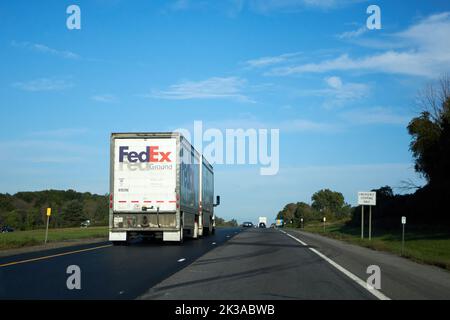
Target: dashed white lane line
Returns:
[[359, 281]]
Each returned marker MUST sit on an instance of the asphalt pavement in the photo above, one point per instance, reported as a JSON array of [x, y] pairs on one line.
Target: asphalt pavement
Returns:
[[233, 264], [261, 264], [107, 272]]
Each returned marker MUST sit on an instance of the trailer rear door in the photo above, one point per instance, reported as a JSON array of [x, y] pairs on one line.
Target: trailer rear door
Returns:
[[144, 174]]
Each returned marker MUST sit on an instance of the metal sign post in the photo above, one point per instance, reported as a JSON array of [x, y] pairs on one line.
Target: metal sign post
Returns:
[[403, 234], [370, 222], [49, 213], [362, 222]]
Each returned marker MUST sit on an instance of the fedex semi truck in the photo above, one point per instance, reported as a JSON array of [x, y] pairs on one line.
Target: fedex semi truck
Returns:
[[160, 187]]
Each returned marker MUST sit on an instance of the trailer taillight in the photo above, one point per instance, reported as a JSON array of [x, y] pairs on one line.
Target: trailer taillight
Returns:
[[111, 201]]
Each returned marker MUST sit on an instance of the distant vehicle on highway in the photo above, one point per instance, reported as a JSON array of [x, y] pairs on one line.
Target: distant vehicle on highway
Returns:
[[160, 187], [279, 223], [273, 225], [85, 224], [6, 229], [247, 225], [263, 220], [262, 225]]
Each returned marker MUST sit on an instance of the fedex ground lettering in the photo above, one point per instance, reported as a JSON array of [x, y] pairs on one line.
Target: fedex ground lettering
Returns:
[[151, 154]]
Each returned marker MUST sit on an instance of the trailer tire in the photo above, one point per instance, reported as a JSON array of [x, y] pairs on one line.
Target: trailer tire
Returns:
[[181, 233], [195, 234], [209, 229]]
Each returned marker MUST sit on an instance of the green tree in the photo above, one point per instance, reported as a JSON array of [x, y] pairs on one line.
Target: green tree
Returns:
[[330, 204], [13, 219], [288, 213], [306, 212], [72, 213], [430, 133]]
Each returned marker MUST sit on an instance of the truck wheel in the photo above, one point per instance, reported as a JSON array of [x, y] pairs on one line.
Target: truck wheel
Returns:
[[208, 230], [181, 233], [195, 235]]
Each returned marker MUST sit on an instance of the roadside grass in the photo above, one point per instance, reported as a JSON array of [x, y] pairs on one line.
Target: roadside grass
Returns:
[[429, 245], [20, 239]]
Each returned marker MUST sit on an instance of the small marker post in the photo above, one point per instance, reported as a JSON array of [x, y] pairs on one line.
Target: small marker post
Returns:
[[403, 234], [49, 213]]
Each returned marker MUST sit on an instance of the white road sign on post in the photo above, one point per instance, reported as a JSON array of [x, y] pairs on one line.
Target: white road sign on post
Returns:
[[367, 198], [403, 220]]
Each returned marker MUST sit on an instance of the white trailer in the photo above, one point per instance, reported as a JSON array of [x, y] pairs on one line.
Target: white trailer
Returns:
[[263, 220], [160, 187]]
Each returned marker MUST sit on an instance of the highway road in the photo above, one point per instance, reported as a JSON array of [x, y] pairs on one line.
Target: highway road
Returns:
[[268, 264], [107, 272], [233, 264]]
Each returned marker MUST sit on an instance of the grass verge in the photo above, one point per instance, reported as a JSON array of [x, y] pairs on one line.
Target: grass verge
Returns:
[[20, 239], [429, 245]]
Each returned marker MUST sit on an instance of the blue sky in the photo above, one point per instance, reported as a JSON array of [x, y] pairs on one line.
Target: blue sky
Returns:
[[340, 94]]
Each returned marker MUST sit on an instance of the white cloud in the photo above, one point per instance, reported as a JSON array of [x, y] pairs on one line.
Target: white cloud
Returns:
[[338, 92], [212, 88], [43, 84], [353, 34], [305, 125], [267, 61], [377, 115], [245, 122], [45, 49], [425, 51], [105, 98], [334, 82], [266, 6]]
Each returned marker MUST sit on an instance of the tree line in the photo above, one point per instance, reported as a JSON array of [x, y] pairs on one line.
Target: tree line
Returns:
[[324, 203], [27, 210]]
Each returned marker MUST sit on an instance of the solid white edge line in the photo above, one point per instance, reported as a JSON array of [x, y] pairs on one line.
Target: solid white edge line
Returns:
[[362, 283]]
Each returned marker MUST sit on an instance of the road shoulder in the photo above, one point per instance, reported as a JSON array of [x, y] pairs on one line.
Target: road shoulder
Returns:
[[49, 246], [400, 278]]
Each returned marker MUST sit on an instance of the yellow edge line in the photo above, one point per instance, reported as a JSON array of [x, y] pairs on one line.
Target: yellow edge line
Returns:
[[53, 256]]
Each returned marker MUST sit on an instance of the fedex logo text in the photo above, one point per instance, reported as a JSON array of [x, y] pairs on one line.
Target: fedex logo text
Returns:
[[151, 154]]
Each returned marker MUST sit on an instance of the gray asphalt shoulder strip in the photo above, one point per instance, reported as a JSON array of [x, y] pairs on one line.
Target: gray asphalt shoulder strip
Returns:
[[400, 278]]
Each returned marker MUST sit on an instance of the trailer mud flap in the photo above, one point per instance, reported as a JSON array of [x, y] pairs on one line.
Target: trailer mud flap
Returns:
[[171, 236]]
